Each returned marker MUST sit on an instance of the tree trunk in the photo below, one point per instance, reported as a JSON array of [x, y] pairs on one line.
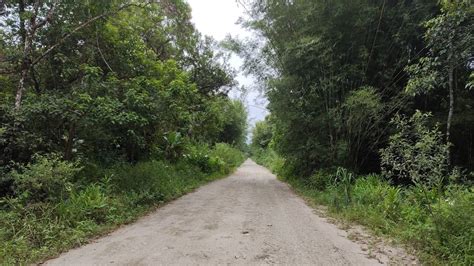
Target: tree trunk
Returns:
[[25, 68], [451, 108], [69, 142], [28, 34], [21, 82]]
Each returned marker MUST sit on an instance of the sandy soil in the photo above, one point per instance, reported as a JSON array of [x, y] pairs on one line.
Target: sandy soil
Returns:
[[248, 218]]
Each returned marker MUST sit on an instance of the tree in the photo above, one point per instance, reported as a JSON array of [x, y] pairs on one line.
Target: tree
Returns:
[[234, 130], [416, 153], [262, 134], [336, 74], [449, 37], [109, 80]]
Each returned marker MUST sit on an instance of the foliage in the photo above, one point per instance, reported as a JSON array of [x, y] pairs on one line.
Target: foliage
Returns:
[[320, 180], [335, 80], [69, 217], [415, 154], [448, 37], [117, 87], [336, 72], [100, 101], [234, 130], [441, 233], [344, 179], [200, 156], [262, 135], [269, 158], [47, 178], [174, 145], [441, 236], [231, 157]]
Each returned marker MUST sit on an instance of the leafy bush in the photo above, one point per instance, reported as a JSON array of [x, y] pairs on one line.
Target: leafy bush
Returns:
[[91, 203], [453, 231], [438, 225], [262, 134], [48, 178], [146, 182], [231, 156], [319, 180], [53, 212], [269, 158], [344, 179], [416, 154], [175, 145], [200, 156], [441, 229]]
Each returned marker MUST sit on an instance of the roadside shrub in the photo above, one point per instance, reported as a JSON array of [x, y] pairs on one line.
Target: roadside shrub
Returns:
[[415, 154], [48, 178], [91, 203], [262, 134], [145, 180], [174, 145], [47, 224], [439, 226], [278, 164], [270, 159], [434, 218], [200, 156], [231, 156], [320, 180], [453, 230], [368, 190], [344, 179]]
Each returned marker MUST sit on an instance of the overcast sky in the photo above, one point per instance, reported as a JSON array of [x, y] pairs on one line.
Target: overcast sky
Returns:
[[217, 18]]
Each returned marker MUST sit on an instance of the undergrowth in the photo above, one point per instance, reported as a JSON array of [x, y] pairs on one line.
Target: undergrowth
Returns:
[[438, 225], [57, 207]]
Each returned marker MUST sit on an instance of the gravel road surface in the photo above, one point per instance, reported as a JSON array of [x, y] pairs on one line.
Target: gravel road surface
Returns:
[[247, 218]]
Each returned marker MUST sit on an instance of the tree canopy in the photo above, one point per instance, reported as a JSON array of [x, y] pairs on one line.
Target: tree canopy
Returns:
[[336, 72], [110, 79]]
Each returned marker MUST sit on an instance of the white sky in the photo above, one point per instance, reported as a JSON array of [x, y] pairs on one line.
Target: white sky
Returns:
[[217, 18]]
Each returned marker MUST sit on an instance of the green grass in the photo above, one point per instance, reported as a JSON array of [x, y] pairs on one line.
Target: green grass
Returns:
[[439, 227], [34, 228]]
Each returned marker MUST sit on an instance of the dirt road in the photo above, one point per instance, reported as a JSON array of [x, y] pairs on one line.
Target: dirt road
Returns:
[[247, 218]]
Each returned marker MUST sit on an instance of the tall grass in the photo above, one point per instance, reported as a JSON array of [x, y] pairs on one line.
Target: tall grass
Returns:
[[65, 210], [439, 226]]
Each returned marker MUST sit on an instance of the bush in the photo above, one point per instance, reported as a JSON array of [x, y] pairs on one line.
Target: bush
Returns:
[[262, 134], [145, 182], [441, 229], [269, 158], [416, 154], [231, 156], [48, 178], [452, 233], [53, 212], [440, 226], [91, 203], [320, 180], [201, 156], [174, 145]]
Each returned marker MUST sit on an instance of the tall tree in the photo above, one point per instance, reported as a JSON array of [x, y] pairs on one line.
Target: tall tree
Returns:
[[338, 74], [449, 37]]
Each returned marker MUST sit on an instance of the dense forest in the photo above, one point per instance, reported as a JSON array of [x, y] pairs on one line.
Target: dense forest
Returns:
[[382, 87], [107, 108]]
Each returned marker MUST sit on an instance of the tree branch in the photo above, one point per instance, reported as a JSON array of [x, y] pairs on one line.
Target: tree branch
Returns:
[[81, 26]]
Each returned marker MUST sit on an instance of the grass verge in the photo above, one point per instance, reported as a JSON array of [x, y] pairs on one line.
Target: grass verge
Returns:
[[438, 225], [58, 207]]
